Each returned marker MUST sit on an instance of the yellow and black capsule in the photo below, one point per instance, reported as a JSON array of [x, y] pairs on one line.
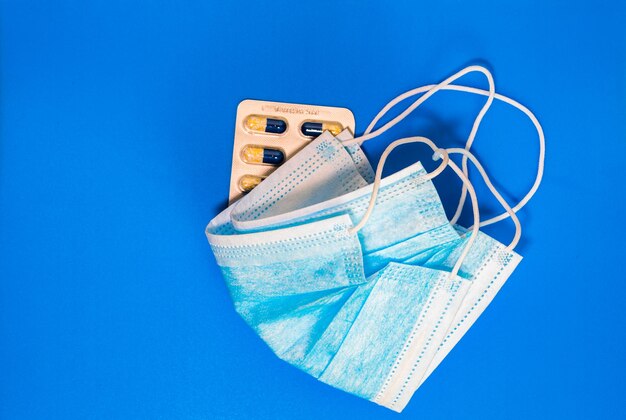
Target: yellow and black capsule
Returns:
[[314, 128], [248, 182], [261, 124], [261, 155]]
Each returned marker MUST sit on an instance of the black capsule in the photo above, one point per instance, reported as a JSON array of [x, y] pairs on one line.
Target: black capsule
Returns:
[[273, 156], [275, 126], [311, 129]]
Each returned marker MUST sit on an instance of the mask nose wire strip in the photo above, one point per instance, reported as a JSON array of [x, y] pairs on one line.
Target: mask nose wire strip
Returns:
[[500, 97], [439, 153], [494, 191]]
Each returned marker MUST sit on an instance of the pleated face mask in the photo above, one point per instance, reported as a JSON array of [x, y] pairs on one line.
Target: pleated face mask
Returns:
[[359, 280]]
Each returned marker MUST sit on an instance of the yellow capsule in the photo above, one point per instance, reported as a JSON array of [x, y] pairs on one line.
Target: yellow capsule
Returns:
[[315, 128], [258, 155], [248, 182], [261, 124]]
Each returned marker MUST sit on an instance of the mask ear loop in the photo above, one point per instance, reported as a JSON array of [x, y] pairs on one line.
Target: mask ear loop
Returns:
[[439, 154], [502, 98], [496, 194], [379, 174], [430, 92]]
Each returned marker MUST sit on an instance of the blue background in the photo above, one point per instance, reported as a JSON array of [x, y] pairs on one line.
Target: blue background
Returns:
[[117, 126]]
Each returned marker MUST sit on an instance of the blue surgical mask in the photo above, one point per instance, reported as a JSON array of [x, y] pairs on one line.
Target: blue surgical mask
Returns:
[[408, 216], [360, 281]]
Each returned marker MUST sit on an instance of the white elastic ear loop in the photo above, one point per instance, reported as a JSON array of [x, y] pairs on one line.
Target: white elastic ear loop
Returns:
[[475, 227], [472, 135], [496, 194], [505, 99], [446, 161], [379, 173], [433, 89]]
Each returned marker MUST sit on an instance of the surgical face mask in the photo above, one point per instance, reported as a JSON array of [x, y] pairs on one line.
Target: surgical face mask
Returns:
[[408, 216], [360, 281]]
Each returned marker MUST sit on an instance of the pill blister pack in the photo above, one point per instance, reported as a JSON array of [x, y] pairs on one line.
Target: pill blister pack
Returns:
[[268, 133]]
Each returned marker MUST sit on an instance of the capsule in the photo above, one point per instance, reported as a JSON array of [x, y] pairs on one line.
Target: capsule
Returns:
[[261, 155], [248, 182], [261, 124], [314, 129]]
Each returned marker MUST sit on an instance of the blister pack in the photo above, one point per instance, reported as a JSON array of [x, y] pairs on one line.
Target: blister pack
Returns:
[[268, 133]]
